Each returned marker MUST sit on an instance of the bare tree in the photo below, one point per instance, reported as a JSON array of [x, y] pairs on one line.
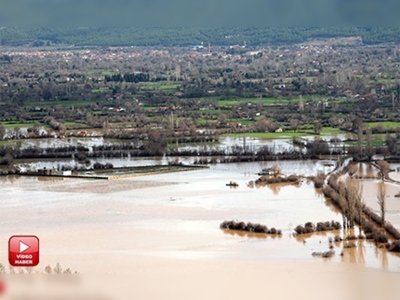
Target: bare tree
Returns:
[[275, 170], [384, 168], [369, 149], [353, 196], [360, 139], [343, 203], [381, 194], [317, 127], [354, 189]]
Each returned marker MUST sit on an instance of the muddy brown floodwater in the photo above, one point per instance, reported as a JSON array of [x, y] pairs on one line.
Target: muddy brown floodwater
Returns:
[[158, 236]]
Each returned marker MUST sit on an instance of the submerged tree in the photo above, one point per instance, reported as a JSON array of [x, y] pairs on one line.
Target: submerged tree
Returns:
[[381, 194], [354, 191], [369, 149], [354, 198], [384, 168]]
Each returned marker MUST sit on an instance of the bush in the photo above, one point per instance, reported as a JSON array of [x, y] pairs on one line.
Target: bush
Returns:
[[292, 178], [319, 181], [393, 231], [98, 166], [326, 254], [273, 231], [325, 226], [337, 238], [395, 246], [309, 227], [239, 226], [249, 227], [260, 228], [80, 156], [299, 229], [6, 160], [369, 228], [377, 236]]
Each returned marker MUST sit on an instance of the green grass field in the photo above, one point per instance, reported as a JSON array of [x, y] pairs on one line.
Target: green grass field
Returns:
[[268, 101], [102, 90], [101, 72], [10, 125], [241, 121], [330, 130], [158, 87], [388, 125], [64, 103], [75, 125], [254, 101], [148, 108]]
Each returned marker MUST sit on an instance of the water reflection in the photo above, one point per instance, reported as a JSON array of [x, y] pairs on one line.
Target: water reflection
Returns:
[[366, 171], [382, 256], [251, 234], [277, 187], [50, 178], [9, 178]]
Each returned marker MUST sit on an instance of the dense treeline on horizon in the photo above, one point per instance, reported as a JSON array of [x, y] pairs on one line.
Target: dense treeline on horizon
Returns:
[[15, 36]]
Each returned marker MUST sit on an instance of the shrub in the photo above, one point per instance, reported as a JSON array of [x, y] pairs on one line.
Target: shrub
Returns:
[[319, 181], [260, 228], [337, 238], [80, 156], [395, 246], [6, 160], [292, 178], [239, 226], [299, 229], [377, 236], [393, 231], [324, 226], [309, 227], [369, 228], [326, 254], [249, 227], [272, 231], [226, 225]]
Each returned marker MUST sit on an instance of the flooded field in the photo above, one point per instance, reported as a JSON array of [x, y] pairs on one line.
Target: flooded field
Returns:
[[392, 202], [168, 225], [226, 144]]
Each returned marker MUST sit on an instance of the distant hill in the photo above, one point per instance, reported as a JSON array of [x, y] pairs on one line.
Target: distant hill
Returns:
[[15, 36]]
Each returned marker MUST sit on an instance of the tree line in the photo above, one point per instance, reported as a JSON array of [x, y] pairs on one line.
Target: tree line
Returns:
[[189, 36], [128, 77]]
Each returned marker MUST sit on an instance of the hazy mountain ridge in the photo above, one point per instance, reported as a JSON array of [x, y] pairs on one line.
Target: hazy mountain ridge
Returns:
[[15, 36]]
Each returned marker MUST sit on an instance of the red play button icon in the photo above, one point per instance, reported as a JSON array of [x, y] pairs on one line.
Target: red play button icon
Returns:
[[23, 251]]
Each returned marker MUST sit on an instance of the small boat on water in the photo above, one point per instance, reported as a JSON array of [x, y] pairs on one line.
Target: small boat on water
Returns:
[[232, 184]]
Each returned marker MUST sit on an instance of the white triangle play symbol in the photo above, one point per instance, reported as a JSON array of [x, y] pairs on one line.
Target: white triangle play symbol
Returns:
[[23, 247]]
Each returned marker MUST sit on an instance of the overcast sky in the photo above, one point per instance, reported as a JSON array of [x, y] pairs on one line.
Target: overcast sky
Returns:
[[209, 13]]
